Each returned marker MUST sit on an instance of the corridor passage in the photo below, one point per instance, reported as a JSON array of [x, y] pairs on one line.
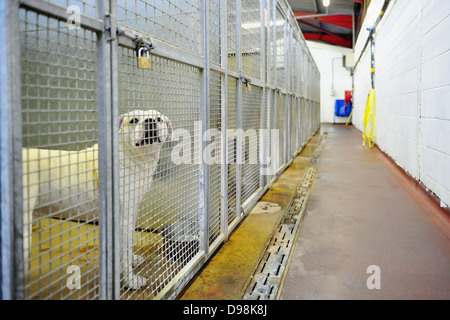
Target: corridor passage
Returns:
[[367, 226]]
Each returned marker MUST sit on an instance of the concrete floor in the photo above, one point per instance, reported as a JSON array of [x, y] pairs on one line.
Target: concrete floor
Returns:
[[362, 212]]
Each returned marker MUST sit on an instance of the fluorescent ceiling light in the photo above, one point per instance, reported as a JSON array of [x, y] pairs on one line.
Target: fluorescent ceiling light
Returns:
[[326, 3], [256, 25]]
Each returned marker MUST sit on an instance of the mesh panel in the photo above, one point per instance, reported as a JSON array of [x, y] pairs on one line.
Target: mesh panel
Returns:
[[168, 230], [280, 50], [231, 35], [176, 21], [85, 7], [215, 160], [303, 113], [303, 92], [60, 177], [298, 125], [280, 125], [293, 127], [272, 122], [251, 117], [215, 42], [295, 68], [251, 38], [231, 143], [271, 67]]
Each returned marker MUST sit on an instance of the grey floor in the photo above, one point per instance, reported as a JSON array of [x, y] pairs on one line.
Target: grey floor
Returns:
[[361, 215]]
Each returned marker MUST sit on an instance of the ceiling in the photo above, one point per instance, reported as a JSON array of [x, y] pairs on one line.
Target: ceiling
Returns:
[[333, 24]]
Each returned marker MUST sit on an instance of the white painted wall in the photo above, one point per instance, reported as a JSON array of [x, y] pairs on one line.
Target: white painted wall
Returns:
[[340, 80], [412, 85]]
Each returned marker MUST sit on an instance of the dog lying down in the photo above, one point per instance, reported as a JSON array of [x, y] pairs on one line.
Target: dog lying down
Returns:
[[69, 181]]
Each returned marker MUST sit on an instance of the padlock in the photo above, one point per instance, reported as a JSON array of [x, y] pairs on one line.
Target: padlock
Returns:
[[143, 62], [247, 84], [249, 87]]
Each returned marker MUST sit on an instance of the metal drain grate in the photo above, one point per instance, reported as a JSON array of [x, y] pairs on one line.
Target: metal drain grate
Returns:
[[268, 276]]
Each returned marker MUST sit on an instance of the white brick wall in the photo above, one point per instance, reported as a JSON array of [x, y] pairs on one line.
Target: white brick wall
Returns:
[[412, 86], [434, 151]]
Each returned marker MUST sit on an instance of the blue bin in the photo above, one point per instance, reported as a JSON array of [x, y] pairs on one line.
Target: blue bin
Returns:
[[342, 110]]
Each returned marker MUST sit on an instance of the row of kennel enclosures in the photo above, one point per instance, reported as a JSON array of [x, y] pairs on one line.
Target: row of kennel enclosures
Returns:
[[69, 70]]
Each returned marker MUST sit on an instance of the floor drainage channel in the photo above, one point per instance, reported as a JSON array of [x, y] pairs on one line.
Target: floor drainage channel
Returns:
[[266, 282]]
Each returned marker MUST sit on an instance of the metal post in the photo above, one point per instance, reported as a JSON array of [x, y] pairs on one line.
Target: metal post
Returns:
[[115, 213], [275, 75], [239, 137], [12, 253], [104, 175], [204, 116], [109, 226], [262, 142], [287, 113], [224, 122]]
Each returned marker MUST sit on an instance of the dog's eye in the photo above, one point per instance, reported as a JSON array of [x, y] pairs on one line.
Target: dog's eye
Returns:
[[135, 120], [158, 119]]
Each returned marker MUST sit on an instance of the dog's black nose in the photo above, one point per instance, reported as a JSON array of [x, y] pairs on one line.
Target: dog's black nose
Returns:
[[150, 128]]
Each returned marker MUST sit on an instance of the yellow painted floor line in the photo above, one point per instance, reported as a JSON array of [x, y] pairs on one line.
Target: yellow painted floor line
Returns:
[[228, 272]]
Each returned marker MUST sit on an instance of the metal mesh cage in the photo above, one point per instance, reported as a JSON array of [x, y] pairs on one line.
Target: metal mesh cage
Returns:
[[120, 199]]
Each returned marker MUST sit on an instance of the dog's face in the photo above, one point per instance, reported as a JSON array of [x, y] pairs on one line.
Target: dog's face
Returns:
[[143, 129]]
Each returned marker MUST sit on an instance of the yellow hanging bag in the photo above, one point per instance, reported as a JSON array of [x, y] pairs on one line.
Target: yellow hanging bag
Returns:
[[369, 120]]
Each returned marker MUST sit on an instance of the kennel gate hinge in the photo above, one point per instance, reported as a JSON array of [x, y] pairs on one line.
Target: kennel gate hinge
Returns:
[[109, 27]]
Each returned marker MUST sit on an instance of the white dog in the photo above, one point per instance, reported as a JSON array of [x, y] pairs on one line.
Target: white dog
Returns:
[[68, 181]]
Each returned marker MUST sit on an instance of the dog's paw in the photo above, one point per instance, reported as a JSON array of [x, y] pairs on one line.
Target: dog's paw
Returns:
[[137, 261], [135, 282]]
